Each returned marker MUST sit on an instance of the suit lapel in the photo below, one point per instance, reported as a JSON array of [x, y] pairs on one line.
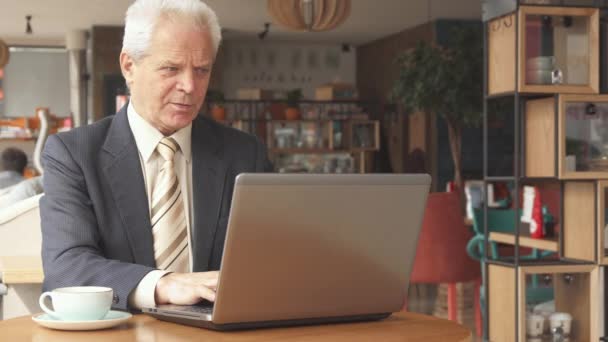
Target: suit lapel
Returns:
[[208, 177], [125, 176]]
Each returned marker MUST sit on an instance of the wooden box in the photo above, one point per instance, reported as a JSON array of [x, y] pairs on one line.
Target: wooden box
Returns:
[[602, 221], [575, 289], [566, 136], [363, 135], [585, 209], [336, 91], [549, 49], [495, 8], [254, 94], [579, 227]]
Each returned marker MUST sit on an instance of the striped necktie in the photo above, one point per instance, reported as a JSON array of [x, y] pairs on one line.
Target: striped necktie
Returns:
[[168, 215]]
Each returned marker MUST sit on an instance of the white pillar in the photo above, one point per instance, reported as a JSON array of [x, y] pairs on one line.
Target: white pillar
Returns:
[[76, 44]]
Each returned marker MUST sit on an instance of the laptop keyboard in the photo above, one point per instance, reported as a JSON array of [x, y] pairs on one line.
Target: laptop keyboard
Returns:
[[188, 308], [199, 309]]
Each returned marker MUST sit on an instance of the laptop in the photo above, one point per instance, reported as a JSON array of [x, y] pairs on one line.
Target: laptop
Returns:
[[307, 249]]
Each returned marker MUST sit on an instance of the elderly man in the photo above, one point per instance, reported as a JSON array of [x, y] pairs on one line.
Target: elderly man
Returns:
[[139, 201]]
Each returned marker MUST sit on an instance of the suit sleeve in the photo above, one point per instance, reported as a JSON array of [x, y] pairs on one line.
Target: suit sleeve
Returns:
[[71, 250], [262, 163]]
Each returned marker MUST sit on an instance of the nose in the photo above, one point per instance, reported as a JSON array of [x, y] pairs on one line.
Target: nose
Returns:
[[186, 81]]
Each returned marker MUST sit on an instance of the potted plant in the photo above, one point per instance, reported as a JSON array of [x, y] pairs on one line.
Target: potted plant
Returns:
[[446, 81], [216, 98], [293, 103]]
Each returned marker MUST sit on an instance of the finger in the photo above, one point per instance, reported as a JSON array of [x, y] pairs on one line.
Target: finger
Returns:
[[210, 283], [206, 293]]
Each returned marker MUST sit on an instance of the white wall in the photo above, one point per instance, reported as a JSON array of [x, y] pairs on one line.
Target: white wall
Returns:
[[36, 78], [283, 66]]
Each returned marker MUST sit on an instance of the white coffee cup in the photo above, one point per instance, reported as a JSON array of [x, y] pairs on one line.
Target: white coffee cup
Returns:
[[561, 319], [534, 324], [78, 303]]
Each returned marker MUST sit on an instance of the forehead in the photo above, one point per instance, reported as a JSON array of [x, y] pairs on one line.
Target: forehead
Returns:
[[172, 39]]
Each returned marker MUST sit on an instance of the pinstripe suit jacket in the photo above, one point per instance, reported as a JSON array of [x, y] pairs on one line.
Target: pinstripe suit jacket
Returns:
[[95, 219]]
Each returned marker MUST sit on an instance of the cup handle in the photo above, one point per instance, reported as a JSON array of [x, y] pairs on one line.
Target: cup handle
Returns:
[[44, 307]]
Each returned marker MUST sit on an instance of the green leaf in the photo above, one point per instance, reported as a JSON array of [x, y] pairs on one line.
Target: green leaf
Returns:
[[443, 80]]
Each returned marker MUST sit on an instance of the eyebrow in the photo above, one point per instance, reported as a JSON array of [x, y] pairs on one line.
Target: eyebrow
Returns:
[[167, 63], [173, 63]]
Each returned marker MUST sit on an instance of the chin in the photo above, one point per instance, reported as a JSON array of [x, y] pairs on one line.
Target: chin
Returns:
[[181, 120]]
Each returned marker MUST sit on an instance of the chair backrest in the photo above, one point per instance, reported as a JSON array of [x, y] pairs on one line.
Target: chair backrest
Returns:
[[441, 255], [499, 220], [20, 232], [20, 236]]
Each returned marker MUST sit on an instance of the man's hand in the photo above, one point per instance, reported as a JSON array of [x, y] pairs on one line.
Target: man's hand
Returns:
[[186, 288]]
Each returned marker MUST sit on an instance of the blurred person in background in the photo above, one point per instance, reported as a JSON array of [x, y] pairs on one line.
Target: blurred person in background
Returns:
[[13, 165]]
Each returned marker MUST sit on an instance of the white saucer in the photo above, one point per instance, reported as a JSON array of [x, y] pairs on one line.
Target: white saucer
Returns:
[[113, 318]]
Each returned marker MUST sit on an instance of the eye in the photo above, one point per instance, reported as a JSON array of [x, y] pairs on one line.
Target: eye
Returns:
[[202, 71], [168, 69]]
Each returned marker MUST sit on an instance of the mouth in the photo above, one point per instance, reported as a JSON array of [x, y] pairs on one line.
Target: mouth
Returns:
[[181, 106]]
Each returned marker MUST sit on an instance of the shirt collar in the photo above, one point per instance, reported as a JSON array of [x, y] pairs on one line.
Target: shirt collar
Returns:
[[147, 137]]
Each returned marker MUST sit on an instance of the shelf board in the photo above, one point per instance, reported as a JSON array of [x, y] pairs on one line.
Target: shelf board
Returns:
[[499, 95], [282, 121], [361, 149], [499, 178], [307, 150], [510, 262], [551, 244], [325, 120], [539, 179]]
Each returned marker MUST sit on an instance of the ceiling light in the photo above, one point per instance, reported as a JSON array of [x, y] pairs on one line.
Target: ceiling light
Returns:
[[309, 15]]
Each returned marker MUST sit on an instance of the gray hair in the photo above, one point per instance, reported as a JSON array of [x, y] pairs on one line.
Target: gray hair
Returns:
[[143, 15]]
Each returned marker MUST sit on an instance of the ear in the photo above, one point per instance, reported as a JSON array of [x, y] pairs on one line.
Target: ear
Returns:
[[127, 66]]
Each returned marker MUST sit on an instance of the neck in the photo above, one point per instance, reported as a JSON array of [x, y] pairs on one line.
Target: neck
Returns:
[[164, 131]]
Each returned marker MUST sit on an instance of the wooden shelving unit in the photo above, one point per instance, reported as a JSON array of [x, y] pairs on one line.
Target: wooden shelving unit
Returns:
[[547, 59], [328, 129], [357, 138]]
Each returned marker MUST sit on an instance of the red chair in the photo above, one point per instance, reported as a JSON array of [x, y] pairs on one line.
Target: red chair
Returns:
[[441, 255]]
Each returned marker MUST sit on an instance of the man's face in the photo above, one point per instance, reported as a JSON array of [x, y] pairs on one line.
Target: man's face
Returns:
[[169, 84]]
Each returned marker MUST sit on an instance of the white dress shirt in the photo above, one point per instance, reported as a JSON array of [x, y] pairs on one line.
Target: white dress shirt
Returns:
[[146, 138]]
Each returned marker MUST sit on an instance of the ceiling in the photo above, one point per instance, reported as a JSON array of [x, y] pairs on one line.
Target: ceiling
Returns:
[[369, 19]]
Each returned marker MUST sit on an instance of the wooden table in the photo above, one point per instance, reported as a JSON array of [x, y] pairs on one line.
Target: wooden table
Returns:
[[22, 277], [399, 327], [21, 270]]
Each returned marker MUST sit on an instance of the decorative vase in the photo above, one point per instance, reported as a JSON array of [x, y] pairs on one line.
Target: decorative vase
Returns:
[[218, 113], [292, 113]]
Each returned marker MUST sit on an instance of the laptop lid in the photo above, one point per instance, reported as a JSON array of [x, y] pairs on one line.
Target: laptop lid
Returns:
[[309, 246]]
